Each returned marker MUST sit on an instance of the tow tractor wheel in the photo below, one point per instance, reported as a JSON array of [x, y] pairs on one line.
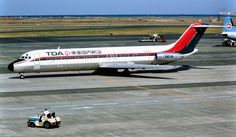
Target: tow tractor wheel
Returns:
[[32, 124], [46, 125]]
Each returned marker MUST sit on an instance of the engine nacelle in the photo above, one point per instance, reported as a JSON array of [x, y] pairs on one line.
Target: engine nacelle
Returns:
[[168, 57]]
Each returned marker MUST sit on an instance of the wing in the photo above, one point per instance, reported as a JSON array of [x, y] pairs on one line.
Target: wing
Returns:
[[130, 65]]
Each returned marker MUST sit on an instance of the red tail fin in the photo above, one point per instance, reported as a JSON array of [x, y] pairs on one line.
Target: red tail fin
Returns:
[[188, 41]]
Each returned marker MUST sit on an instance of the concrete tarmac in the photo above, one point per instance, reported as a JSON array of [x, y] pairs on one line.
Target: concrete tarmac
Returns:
[[197, 99], [88, 80]]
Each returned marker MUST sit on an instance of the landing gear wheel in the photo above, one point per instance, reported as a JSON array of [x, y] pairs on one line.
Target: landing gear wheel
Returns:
[[22, 76], [232, 43], [126, 72]]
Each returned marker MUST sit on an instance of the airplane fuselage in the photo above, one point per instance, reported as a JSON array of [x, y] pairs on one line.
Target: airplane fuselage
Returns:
[[90, 58], [230, 35]]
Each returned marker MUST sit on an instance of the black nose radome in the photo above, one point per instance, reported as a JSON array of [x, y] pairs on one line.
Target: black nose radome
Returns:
[[11, 67]]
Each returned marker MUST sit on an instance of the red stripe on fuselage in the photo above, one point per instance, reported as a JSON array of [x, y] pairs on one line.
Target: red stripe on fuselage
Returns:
[[20, 62], [185, 39], [100, 55]]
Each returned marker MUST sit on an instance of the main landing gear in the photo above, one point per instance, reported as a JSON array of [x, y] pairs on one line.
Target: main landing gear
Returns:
[[228, 42], [21, 76]]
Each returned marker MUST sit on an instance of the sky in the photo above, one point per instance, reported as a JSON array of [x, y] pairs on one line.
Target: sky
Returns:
[[111, 7]]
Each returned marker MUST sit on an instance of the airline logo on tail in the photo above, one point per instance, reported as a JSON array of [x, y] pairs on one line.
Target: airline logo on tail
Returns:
[[228, 25]]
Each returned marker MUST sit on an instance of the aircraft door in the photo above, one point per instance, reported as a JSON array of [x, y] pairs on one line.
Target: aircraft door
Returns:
[[36, 62]]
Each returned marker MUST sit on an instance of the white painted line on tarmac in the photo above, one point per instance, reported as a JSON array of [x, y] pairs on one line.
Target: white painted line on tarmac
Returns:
[[64, 106], [105, 104], [183, 99], [219, 97], [82, 108], [16, 109]]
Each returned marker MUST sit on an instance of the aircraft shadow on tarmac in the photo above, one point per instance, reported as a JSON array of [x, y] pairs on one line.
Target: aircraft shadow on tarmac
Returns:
[[116, 74], [132, 74]]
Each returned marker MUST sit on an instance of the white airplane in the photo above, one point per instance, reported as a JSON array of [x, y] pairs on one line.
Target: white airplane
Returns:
[[229, 31], [110, 58]]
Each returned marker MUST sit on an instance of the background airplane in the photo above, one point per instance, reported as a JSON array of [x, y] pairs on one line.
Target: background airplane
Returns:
[[229, 31]]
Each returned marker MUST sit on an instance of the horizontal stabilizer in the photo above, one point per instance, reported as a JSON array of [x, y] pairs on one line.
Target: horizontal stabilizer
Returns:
[[208, 26], [188, 54]]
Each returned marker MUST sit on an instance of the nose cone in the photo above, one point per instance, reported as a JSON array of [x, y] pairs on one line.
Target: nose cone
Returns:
[[11, 67]]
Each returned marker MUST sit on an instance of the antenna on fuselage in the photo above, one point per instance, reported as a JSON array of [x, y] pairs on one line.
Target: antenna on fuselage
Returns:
[[58, 47]]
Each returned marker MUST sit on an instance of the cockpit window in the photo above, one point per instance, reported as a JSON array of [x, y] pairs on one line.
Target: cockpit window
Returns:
[[25, 57]]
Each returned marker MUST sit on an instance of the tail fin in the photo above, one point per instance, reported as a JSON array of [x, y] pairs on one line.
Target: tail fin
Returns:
[[189, 39], [228, 25]]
